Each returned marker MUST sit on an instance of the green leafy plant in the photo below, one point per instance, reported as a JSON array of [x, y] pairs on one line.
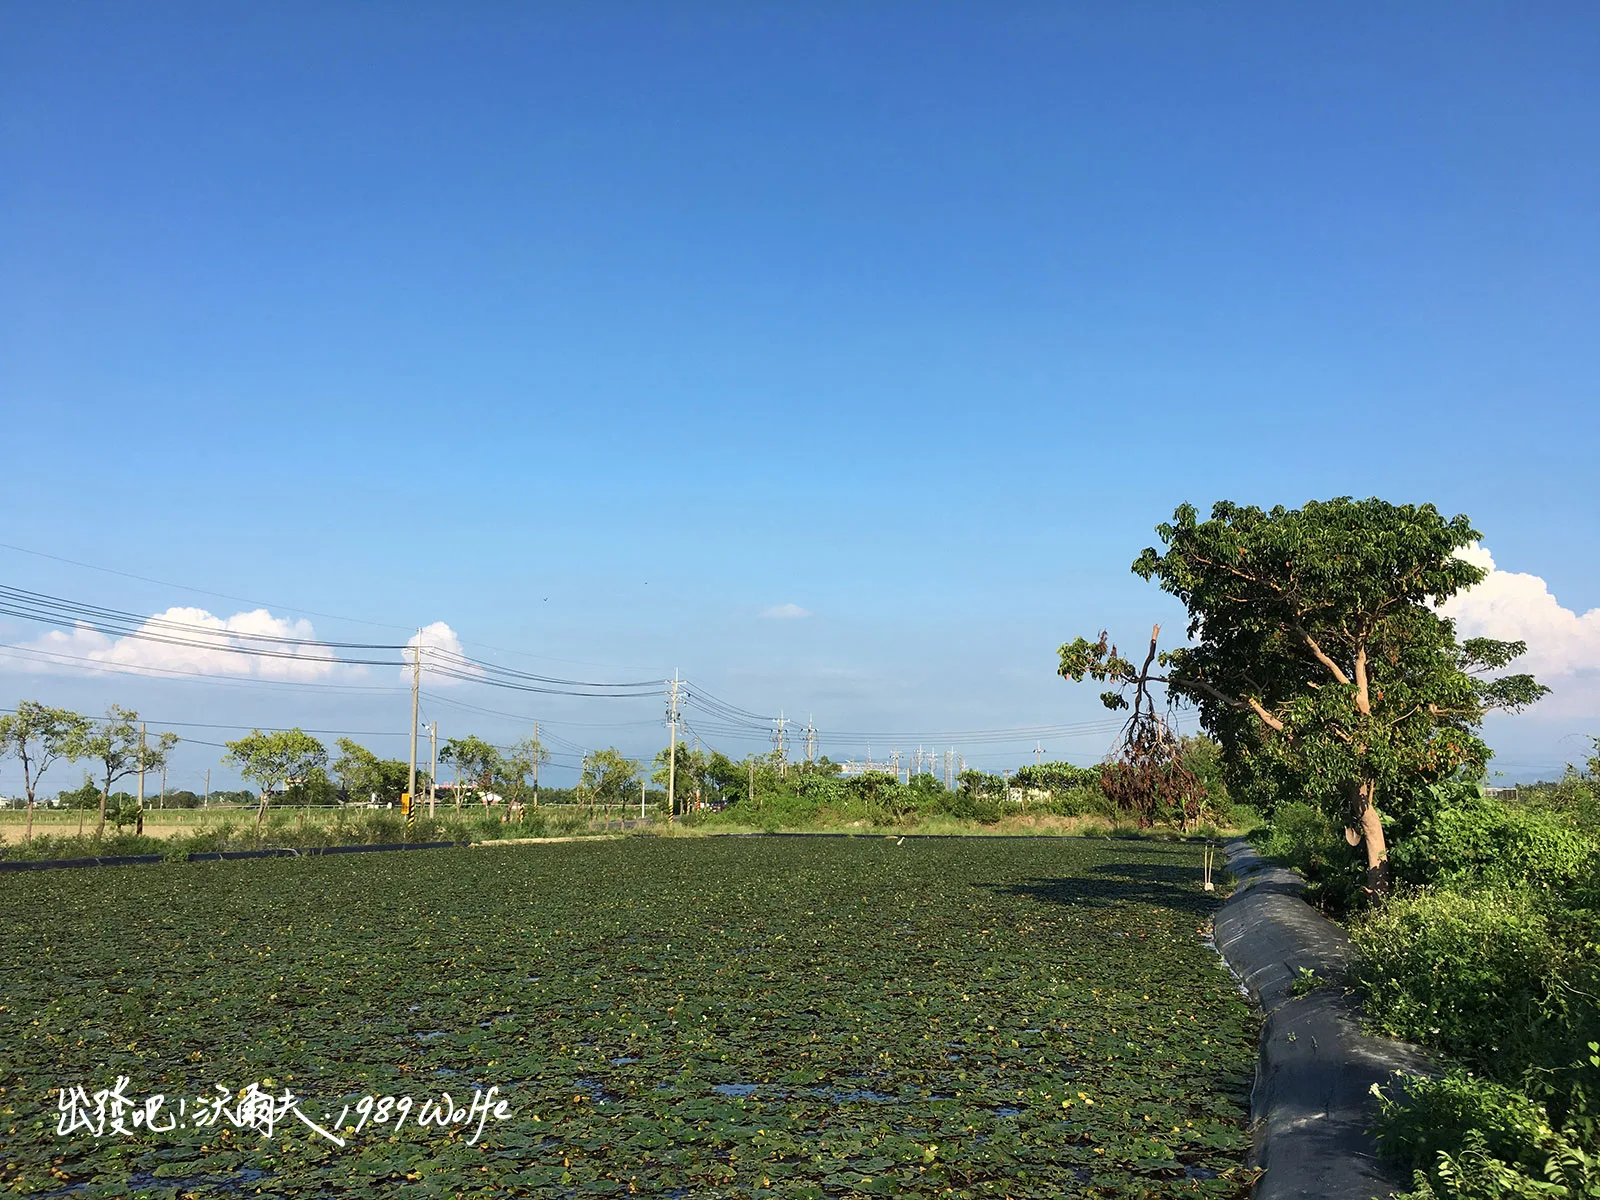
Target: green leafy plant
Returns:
[[1467, 1138], [1482, 975], [1305, 981]]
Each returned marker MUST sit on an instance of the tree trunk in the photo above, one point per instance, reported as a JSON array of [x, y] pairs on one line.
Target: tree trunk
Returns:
[[261, 813], [28, 835], [1371, 827], [100, 830]]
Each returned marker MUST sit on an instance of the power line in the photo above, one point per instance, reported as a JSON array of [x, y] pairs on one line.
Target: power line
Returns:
[[47, 609], [289, 608], [183, 587], [148, 670]]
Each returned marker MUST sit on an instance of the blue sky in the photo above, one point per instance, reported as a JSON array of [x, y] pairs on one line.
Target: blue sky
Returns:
[[598, 331]]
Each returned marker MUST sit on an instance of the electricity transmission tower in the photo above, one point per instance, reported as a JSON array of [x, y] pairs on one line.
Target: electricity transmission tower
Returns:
[[780, 744]]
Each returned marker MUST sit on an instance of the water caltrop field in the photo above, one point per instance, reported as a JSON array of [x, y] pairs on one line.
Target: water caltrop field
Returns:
[[705, 1017]]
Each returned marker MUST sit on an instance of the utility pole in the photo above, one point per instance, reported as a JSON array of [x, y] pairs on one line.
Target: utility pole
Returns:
[[811, 742], [752, 794], [696, 762], [641, 797], [416, 690], [1038, 754], [672, 750], [896, 757], [140, 829], [207, 802], [433, 765], [537, 747], [162, 802], [781, 746]]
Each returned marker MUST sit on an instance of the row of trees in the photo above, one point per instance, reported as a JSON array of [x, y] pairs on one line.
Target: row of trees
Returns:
[[297, 763], [289, 761], [39, 736], [298, 766]]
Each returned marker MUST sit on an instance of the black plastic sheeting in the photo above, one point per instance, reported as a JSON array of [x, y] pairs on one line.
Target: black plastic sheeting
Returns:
[[1312, 1105], [130, 860]]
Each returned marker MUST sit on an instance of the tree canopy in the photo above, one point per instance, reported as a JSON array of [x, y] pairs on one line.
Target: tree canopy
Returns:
[[273, 759], [1317, 655], [37, 735], [114, 745], [476, 762], [519, 762], [363, 775], [609, 777]]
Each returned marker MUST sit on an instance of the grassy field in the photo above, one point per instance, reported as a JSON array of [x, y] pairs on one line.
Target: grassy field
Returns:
[[182, 822], [159, 822], [694, 1017]]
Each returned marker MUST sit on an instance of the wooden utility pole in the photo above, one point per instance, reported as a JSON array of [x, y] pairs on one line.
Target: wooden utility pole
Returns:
[[206, 803], [672, 751], [752, 795], [416, 690], [538, 748], [433, 764], [641, 797], [140, 827]]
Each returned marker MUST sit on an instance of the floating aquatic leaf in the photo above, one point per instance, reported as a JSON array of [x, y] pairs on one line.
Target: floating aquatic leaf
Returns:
[[708, 1018]]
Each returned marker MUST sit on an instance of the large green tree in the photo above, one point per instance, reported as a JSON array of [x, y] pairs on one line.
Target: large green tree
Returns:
[[1317, 655], [476, 762], [37, 735], [519, 762], [271, 760], [609, 777], [689, 779], [364, 776], [118, 749]]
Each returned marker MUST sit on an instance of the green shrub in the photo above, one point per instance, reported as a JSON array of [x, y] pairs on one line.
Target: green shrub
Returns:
[[1467, 1138], [1472, 839], [1302, 836], [1244, 816], [1434, 1115], [1083, 800], [1480, 975], [45, 846]]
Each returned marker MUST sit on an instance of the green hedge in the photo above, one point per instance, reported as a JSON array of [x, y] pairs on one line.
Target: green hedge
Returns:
[[1471, 839], [1466, 1138], [1484, 975]]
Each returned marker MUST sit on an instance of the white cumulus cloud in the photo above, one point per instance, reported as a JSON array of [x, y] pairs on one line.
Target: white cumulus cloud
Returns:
[[187, 641], [786, 612], [1563, 646], [441, 652]]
